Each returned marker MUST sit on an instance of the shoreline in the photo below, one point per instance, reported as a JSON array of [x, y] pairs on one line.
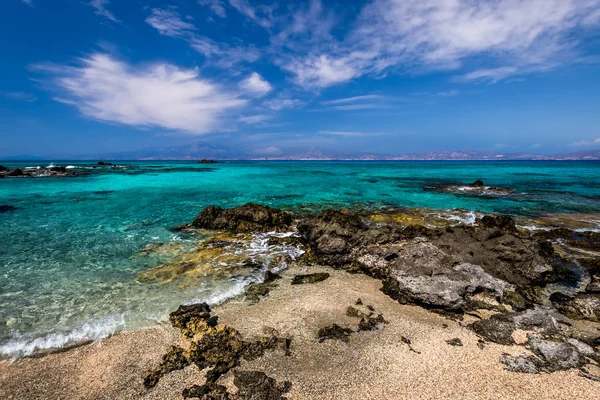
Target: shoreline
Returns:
[[356, 297], [373, 364]]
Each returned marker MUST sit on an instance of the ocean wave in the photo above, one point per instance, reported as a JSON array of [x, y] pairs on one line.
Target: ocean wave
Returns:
[[22, 345]]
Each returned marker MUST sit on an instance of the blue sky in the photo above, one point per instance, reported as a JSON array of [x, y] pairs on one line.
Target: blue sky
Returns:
[[380, 76]]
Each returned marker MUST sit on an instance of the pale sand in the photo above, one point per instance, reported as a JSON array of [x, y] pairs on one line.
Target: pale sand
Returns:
[[373, 365]]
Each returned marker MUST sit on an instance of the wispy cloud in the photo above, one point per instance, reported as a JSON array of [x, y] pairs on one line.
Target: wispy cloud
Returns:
[[587, 143], [28, 2], [168, 22], [280, 103], [21, 96], [255, 119], [351, 107], [261, 15], [508, 37], [100, 6], [158, 95], [256, 85], [215, 5], [353, 99]]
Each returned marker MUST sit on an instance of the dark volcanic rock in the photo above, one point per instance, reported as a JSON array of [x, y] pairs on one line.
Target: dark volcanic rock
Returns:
[[503, 222], [206, 161], [523, 364], [335, 332], [582, 306], [557, 356], [247, 218], [256, 385], [310, 278], [3, 168], [497, 329], [478, 183], [102, 163], [16, 172]]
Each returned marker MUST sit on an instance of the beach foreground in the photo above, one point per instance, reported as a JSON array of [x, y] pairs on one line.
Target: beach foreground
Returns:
[[373, 364]]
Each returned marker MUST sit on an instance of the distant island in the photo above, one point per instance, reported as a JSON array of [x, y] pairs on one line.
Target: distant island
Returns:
[[206, 153]]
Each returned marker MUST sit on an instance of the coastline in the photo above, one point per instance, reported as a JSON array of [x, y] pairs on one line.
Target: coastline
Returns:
[[373, 364]]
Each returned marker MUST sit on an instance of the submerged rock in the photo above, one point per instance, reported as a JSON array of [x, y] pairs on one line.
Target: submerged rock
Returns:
[[310, 278], [247, 218], [7, 208]]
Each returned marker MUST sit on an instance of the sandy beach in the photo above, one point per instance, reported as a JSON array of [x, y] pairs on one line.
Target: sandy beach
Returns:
[[372, 365]]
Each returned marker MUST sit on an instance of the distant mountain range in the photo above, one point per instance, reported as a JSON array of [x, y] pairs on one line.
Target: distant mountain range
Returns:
[[202, 150]]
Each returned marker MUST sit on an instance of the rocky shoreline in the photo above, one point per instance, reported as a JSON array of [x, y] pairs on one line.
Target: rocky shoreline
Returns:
[[532, 294], [509, 278]]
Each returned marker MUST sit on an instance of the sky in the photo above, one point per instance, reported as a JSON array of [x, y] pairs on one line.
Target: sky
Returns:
[[277, 77]]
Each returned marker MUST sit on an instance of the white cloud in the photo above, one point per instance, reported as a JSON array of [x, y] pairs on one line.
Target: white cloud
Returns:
[[280, 103], [585, 143], [21, 96], [255, 119], [168, 22], [353, 99], [28, 2], [100, 6], [215, 5], [262, 15], [353, 107], [256, 85], [508, 37], [158, 95]]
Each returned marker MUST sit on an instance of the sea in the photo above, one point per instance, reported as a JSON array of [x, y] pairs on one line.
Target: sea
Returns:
[[72, 249]]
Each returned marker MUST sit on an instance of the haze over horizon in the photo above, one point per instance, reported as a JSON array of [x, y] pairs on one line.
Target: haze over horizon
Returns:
[[270, 79]]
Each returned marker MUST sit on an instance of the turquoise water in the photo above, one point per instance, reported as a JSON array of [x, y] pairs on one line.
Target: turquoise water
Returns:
[[70, 251]]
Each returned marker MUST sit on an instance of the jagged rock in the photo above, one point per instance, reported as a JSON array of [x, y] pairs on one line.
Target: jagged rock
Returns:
[[478, 183], [256, 385], [3, 168], [247, 218], [428, 276], [582, 306], [189, 315], [334, 332], [522, 363], [498, 329], [503, 222], [218, 348], [557, 356], [102, 163], [310, 278], [173, 360]]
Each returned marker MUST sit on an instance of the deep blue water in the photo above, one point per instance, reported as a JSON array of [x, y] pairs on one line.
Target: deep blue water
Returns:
[[69, 252]]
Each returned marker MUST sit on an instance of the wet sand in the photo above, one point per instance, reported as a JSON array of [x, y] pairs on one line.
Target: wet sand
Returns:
[[372, 365]]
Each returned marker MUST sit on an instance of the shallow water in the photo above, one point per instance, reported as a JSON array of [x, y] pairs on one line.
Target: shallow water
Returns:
[[69, 257]]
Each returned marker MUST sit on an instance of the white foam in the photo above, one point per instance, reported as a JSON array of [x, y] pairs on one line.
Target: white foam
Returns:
[[25, 345], [70, 167]]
